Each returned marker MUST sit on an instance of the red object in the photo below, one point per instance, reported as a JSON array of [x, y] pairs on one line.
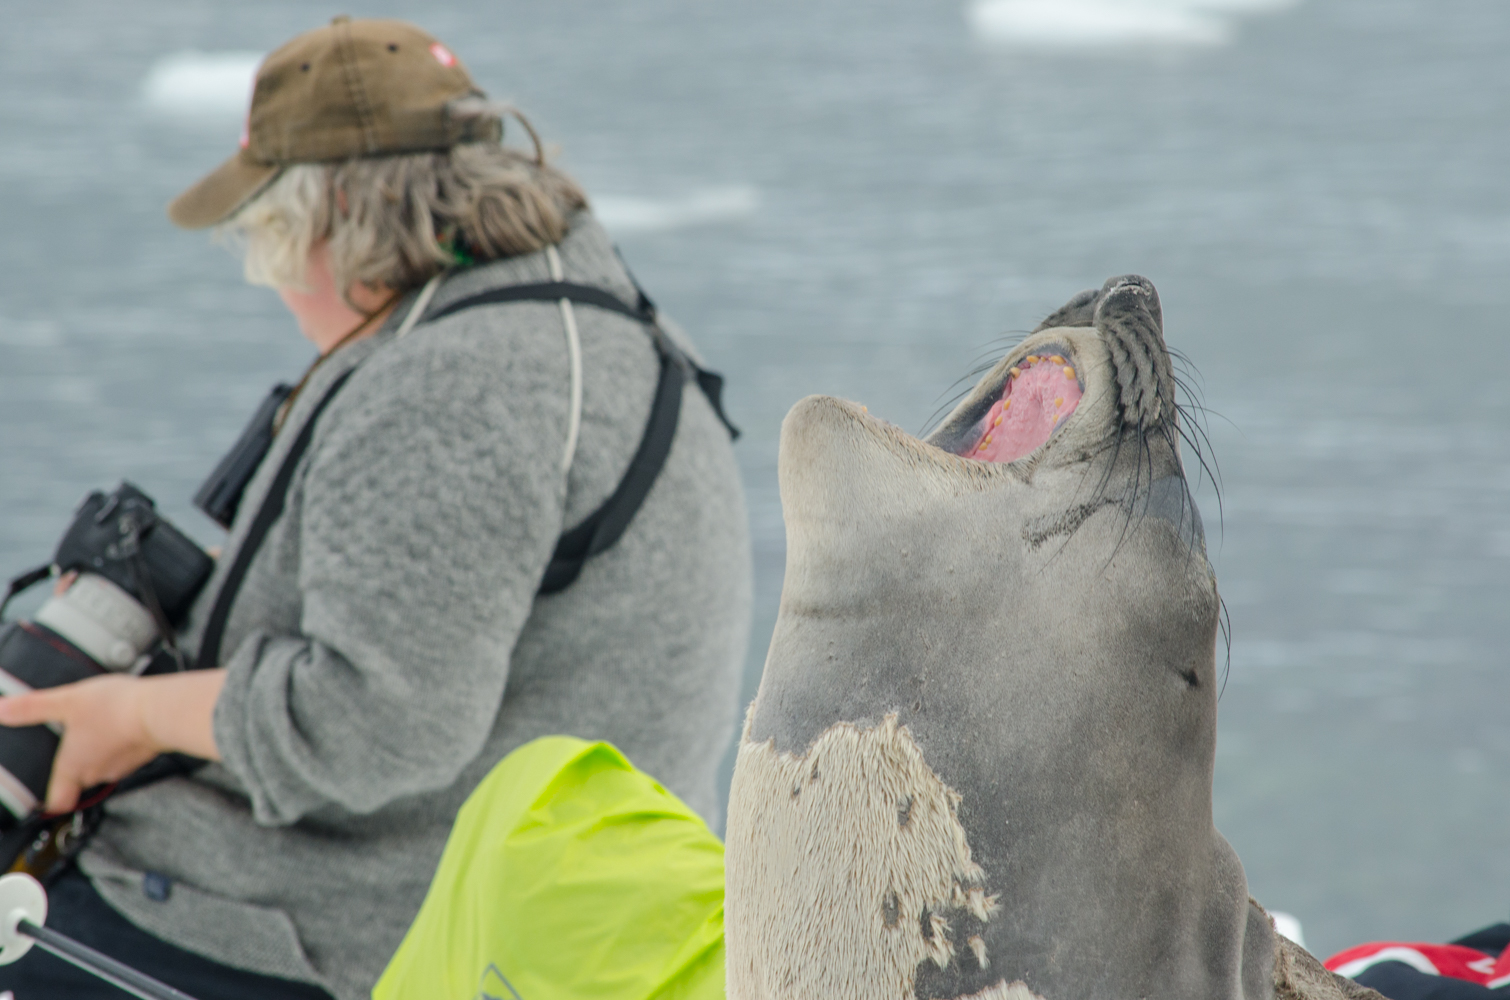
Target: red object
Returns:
[[1452, 960]]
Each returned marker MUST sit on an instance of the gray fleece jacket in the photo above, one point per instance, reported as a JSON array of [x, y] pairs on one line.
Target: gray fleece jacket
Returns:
[[387, 648]]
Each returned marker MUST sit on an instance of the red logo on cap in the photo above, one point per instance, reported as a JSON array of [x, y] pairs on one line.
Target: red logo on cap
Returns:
[[443, 55]]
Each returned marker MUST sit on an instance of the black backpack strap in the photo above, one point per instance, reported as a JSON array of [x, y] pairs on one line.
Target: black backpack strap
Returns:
[[604, 526], [712, 385], [710, 382], [549, 291]]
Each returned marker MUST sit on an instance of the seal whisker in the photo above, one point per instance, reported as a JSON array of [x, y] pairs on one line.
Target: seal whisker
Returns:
[[949, 404], [1211, 474], [1224, 622], [1142, 459], [983, 362]]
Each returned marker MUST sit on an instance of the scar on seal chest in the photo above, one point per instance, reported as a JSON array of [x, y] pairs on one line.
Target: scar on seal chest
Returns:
[[898, 871]]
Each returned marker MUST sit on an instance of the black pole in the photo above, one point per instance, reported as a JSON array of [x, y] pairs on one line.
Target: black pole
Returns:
[[107, 968]]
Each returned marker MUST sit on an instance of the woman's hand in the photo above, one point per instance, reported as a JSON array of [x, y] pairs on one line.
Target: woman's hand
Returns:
[[114, 724]]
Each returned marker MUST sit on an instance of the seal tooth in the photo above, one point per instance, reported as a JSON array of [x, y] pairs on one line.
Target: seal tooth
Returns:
[[1014, 372], [1057, 360], [1069, 372], [1058, 401], [1006, 404], [1032, 359], [997, 421]]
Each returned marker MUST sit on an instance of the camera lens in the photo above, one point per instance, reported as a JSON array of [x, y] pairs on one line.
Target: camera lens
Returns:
[[32, 656]]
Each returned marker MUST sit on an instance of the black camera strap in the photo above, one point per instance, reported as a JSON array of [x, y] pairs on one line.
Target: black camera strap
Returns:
[[25, 581], [172, 765], [270, 511]]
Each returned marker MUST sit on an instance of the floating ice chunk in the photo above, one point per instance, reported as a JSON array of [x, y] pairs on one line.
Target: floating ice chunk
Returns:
[[1074, 24], [1091, 23], [622, 213], [202, 84], [1233, 6]]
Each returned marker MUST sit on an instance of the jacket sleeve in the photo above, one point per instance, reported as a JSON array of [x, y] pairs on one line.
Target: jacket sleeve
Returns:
[[430, 503]]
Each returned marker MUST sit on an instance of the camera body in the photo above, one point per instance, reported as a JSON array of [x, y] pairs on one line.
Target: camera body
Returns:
[[137, 577]]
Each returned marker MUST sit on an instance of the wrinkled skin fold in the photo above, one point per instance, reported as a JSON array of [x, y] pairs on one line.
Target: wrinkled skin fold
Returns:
[[980, 760]]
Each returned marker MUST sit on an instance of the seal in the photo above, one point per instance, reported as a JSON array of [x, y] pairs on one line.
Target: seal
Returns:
[[980, 760]]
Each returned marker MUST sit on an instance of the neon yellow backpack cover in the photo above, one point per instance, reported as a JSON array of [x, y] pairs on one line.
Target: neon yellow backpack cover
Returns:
[[570, 876]]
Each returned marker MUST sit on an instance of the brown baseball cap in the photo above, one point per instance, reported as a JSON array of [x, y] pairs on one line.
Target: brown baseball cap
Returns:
[[351, 88]]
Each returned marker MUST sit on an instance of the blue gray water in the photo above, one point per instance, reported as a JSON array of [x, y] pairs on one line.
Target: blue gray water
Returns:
[[858, 199]]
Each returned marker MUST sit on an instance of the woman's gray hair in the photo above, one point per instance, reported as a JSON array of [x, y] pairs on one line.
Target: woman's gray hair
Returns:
[[396, 220]]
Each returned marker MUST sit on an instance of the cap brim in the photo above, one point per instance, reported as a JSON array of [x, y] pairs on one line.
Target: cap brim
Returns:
[[222, 191]]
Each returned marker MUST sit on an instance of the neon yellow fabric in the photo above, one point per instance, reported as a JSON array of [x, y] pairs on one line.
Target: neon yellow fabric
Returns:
[[572, 876]]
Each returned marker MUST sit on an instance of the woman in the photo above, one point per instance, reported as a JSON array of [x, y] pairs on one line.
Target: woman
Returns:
[[378, 645]]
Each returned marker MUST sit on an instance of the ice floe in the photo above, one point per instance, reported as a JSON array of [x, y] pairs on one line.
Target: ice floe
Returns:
[[1082, 24], [201, 84], [626, 213]]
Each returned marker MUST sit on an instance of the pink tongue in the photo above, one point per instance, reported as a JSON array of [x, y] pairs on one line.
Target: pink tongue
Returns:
[[1044, 393]]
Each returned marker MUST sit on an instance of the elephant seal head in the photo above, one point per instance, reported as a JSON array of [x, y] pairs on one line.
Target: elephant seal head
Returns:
[[980, 760]]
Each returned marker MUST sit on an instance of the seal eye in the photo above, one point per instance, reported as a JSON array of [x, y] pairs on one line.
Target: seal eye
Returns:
[[1039, 394]]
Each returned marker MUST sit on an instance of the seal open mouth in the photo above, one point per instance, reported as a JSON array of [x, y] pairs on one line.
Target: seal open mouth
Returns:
[[1038, 395], [1102, 359]]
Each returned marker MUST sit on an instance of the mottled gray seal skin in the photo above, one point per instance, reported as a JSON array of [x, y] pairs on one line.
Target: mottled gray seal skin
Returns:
[[980, 760]]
